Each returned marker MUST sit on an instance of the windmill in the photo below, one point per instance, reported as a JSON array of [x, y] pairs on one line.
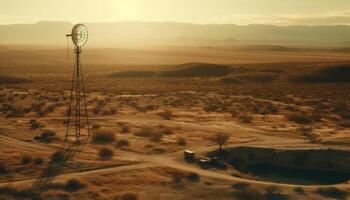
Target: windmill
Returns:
[[78, 128]]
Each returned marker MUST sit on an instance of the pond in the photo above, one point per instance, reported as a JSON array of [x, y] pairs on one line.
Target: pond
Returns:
[[281, 174]]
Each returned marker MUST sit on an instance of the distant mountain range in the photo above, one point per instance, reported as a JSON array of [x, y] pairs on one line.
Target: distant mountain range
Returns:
[[121, 34]]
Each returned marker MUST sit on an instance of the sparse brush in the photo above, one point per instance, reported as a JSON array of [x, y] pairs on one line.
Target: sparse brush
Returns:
[[240, 186], [96, 126], [122, 143], [124, 128], [35, 124], [129, 196], [177, 177], [299, 190], [300, 118], [26, 159], [57, 157], [156, 136], [74, 185], [38, 161], [245, 118], [194, 177], [2, 168], [105, 153], [168, 131], [144, 132], [181, 141], [103, 136], [332, 192], [158, 150], [167, 115]]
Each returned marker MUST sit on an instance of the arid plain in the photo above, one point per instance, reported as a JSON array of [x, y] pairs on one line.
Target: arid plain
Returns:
[[283, 111]]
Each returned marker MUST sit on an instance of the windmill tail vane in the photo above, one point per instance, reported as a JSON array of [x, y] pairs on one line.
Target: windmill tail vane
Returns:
[[78, 127]]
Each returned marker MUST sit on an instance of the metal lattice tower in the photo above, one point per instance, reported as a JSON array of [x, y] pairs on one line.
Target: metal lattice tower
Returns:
[[78, 128]]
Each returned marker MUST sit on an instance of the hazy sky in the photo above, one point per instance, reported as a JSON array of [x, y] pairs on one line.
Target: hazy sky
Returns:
[[281, 12]]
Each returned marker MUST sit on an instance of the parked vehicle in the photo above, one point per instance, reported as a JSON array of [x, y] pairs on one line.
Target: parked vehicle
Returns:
[[189, 156]]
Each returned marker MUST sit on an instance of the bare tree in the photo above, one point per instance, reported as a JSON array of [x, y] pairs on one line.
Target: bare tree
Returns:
[[221, 139]]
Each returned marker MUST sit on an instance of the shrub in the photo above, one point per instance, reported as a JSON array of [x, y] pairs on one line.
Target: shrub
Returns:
[[167, 115], [181, 141], [96, 126], [122, 143], [177, 177], [74, 185], [156, 136], [103, 136], [168, 131], [2, 168], [240, 186], [332, 192], [299, 190], [105, 153], [38, 161], [300, 118], [221, 139], [129, 196], [246, 119], [194, 177], [274, 193], [249, 194], [35, 124], [26, 159], [158, 150], [124, 128], [144, 132], [57, 157]]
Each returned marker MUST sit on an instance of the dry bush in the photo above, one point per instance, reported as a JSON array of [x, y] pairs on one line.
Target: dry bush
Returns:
[[57, 157], [73, 185], [332, 192], [124, 128], [158, 150], [240, 186], [245, 118], [156, 136], [249, 194], [274, 193], [122, 143], [129, 196], [299, 190], [181, 141], [103, 136], [300, 118], [96, 126], [144, 132], [345, 123], [97, 109], [18, 193], [105, 153], [38, 161], [2, 168], [167, 114], [221, 139], [177, 177], [26, 159], [194, 177], [168, 131], [308, 132], [35, 124]]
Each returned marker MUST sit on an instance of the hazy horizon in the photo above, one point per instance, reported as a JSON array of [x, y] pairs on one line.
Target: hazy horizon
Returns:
[[240, 12]]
